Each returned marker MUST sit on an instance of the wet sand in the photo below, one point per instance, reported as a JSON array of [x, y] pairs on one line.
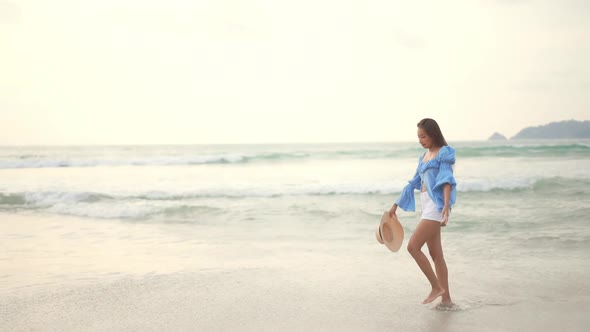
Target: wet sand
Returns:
[[69, 274], [267, 300]]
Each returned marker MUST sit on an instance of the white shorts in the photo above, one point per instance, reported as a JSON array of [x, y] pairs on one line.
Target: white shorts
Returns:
[[429, 209]]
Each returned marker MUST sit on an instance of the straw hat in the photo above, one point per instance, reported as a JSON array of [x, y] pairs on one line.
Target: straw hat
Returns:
[[390, 232]]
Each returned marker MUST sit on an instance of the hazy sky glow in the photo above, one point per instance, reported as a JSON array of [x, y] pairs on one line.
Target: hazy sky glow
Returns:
[[260, 71]]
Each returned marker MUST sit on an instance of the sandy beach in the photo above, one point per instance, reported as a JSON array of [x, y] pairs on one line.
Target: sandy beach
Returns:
[[259, 299], [231, 288]]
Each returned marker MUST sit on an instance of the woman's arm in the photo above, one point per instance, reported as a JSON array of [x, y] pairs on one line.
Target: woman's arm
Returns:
[[406, 199]]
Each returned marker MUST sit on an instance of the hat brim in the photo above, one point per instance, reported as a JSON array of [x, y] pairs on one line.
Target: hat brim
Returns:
[[390, 232], [378, 235]]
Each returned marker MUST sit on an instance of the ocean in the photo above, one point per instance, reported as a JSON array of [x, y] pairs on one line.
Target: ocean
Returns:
[[282, 236]]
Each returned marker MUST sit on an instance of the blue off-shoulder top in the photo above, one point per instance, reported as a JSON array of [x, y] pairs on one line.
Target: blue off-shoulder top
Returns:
[[434, 174]]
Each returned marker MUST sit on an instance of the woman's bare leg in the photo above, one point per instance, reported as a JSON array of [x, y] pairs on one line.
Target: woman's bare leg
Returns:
[[440, 265], [425, 231]]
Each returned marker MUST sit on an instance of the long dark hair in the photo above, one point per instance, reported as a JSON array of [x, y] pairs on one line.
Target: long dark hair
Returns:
[[433, 131]]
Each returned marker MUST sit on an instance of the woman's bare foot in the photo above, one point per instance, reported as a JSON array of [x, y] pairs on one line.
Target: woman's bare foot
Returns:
[[436, 292]]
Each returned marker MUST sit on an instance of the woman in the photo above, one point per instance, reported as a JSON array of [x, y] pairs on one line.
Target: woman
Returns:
[[434, 178]]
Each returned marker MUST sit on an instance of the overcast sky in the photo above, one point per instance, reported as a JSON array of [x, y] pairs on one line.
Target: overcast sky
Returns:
[[260, 71]]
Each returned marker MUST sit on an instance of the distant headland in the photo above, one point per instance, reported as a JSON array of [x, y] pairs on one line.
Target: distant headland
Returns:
[[497, 137], [571, 129]]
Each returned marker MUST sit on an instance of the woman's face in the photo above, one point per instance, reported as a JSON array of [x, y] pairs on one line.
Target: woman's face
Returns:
[[424, 139]]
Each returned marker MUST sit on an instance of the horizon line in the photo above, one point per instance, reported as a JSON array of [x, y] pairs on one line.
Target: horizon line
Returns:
[[275, 143]]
